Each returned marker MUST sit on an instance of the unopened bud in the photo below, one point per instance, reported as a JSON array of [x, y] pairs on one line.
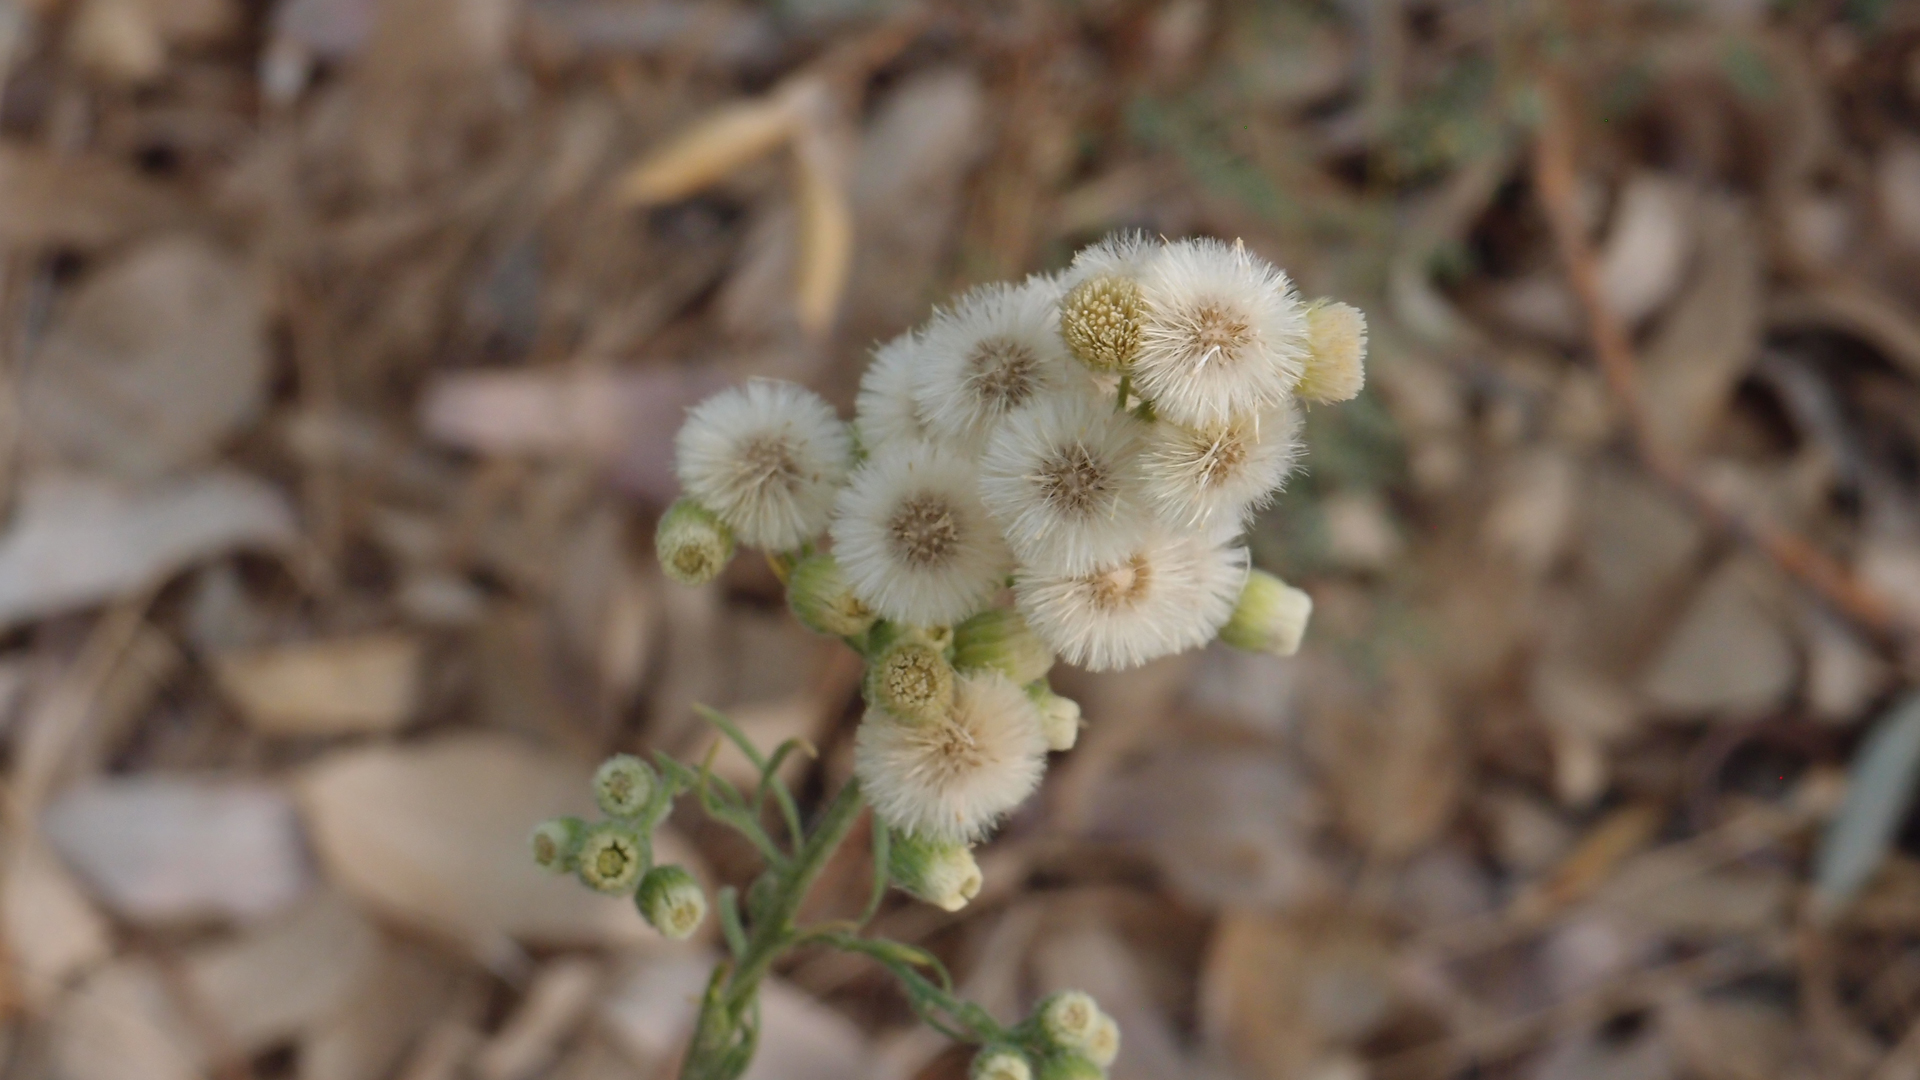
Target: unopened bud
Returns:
[[818, 594], [693, 544], [1000, 1063], [912, 680], [622, 785], [1271, 616], [1104, 1044], [611, 858], [671, 900], [943, 874], [1059, 716], [1067, 1020], [556, 842], [998, 639], [1067, 1065], [1336, 352], [1100, 319]]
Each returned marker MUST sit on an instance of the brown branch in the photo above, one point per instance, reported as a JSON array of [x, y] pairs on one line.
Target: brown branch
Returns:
[[1553, 177]]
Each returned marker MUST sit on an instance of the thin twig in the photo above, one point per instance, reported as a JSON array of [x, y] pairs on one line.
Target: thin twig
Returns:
[[1553, 176]]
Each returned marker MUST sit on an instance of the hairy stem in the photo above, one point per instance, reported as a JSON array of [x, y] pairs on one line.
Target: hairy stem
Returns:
[[724, 1037]]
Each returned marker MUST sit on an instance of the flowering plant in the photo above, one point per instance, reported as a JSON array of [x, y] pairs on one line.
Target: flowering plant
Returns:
[[1058, 468]]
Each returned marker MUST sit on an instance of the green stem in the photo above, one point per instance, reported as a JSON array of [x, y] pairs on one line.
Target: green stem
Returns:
[[724, 1036]]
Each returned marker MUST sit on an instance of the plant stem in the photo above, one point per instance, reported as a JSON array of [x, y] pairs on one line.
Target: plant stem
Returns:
[[723, 1038]]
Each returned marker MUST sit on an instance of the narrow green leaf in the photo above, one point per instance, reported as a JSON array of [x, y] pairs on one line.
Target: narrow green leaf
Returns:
[[1880, 790]]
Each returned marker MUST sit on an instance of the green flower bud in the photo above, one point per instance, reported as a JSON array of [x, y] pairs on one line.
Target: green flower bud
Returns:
[[818, 594], [1104, 1044], [1068, 1019], [941, 873], [1336, 352], [693, 544], [1059, 716], [1000, 1063], [622, 785], [1271, 616], [998, 639], [912, 680], [611, 858], [1100, 319], [557, 842], [671, 900], [1067, 1065]]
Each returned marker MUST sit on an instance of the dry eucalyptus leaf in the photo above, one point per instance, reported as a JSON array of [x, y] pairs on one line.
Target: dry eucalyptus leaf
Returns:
[[121, 1024], [1674, 890], [1280, 991], [159, 848], [1395, 766], [435, 835], [1649, 245], [386, 1009], [74, 542], [1712, 336], [152, 362], [555, 1003], [248, 987], [1728, 656], [52, 930], [49, 199], [1880, 789], [359, 684]]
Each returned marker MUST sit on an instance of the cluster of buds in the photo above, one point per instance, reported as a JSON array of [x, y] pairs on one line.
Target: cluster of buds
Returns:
[[1066, 1038], [615, 855], [1059, 468]]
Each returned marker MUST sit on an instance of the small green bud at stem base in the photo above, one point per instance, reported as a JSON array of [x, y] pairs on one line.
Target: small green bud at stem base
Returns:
[[943, 874], [998, 639], [693, 544], [1068, 1066], [820, 598], [611, 859], [1336, 352], [1068, 1019], [1059, 717], [622, 786], [1271, 616], [557, 842], [672, 901]]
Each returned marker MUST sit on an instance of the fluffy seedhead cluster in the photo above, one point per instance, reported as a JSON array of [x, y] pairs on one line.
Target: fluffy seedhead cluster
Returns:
[[1059, 467]]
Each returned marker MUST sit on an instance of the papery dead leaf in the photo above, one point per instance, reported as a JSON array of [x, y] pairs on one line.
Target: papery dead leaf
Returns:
[[1728, 656], [556, 1001], [712, 148], [161, 849], [1885, 772], [367, 683], [74, 542]]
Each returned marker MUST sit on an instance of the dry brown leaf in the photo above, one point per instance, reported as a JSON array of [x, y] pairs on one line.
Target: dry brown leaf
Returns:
[[159, 848], [1712, 336], [49, 199], [715, 146], [1279, 992], [152, 362], [555, 1003], [435, 835], [825, 249], [73, 542], [284, 979], [1652, 239], [385, 1010], [1728, 656], [121, 1024], [1395, 767], [52, 930], [359, 684]]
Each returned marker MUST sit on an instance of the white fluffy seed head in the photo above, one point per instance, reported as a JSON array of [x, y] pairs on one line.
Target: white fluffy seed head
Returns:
[[1172, 593], [766, 458], [913, 540], [949, 781], [885, 412], [996, 349], [1224, 333], [1336, 352], [1063, 478], [1221, 472]]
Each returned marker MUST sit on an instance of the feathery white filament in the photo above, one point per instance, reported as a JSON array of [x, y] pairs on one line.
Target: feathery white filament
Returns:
[[913, 540], [951, 780], [885, 411], [1225, 335], [766, 458], [1220, 473], [1063, 478], [1172, 593], [996, 349]]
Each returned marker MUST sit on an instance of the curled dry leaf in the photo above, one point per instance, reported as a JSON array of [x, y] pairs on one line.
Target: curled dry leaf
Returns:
[[75, 542], [435, 835], [713, 147], [826, 222], [367, 683], [1712, 336], [159, 848]]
